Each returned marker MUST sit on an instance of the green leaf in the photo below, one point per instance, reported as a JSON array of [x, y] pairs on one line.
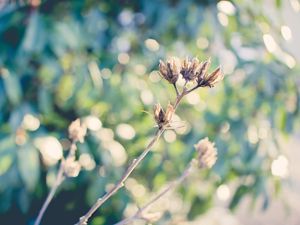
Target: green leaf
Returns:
[[199, 206], [23, 200], [240, 192], [12, 88], [34, 39], [278, 3], [29, 166], [5, 163]]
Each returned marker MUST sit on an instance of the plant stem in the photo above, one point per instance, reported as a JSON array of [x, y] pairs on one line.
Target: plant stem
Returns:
[[58, 180], [176, 89], [194, 88], [84, 219], [139, 213]]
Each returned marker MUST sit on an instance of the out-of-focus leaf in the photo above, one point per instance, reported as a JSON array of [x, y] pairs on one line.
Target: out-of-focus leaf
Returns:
[[34, 39], [12, 87], [6, 197], [5, 163], [278, 3], [238, 195], [23, 200], [29, 166], [99, 220], [199, 206]]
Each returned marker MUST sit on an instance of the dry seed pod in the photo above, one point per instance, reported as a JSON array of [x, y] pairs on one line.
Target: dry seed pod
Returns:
[[169, 113], [206, 153], [77, 131], [163, 118], [169, 70], [189, 68], [71, 167], [202, 72], [214, 77], [159, 114]]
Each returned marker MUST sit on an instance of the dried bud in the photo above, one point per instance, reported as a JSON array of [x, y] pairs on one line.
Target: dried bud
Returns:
[[203, 71], [169, 70], [204, 79], [169, 113], [163, 118], [214, 77], [71, 167], [190, 68], [207, 153], [77, 131], [159, 114]]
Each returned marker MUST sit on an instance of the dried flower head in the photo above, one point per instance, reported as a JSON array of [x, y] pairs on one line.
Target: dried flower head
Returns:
[[206, 153], [71, 167], [204, 79], [159, 114], [170, 70], [163, 118], [77, 131], [190, 68], [202, 73], [214, 77]]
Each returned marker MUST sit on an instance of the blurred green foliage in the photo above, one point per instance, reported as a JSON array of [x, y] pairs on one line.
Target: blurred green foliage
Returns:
[[67, 59]]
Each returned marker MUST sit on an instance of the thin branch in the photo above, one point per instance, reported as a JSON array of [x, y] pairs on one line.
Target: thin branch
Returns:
[[84, 219], [194, 88], [59, 179], [176, 89], [171, 186]]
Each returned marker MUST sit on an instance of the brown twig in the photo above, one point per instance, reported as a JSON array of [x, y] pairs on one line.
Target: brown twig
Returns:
[[171, 186]]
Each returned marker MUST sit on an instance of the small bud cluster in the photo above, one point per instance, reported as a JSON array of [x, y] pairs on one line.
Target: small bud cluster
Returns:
[[170, 70], [190, 70], [161, 117], [71, 167], [77, 131], [206, 153]]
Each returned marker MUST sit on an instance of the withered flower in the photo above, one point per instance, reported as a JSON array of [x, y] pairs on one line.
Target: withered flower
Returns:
[[203, 71], [206, 153], [159, 114], [190, 68], [163, 118], [214, 77], [71, 167], [77, 131], [204, 79], [169, 113], [170, 70]]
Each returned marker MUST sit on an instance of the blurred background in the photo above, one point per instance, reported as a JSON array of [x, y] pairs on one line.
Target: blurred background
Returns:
[[97, 60]]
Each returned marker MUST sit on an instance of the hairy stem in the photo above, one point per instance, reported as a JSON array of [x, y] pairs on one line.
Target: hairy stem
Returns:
[[58, 180], [171, 186]]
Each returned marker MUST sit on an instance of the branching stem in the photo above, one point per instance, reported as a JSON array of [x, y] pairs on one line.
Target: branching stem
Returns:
[[100, 201], [171, 186]]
